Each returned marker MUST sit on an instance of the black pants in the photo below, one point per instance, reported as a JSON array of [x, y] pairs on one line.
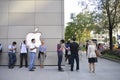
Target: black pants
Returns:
[[76, 57], [0, 50], [67, 57], [59, 61], [23, 56]]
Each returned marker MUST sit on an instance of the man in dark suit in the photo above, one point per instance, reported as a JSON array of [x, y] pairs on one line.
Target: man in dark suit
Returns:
[[74, 48]]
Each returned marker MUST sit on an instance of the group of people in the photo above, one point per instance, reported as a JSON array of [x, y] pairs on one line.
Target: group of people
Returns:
[[70, 49], [71, 53], [24, 50]]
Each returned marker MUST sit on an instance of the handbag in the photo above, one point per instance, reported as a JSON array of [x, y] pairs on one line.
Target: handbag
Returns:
[[39, 54], [97, 52]]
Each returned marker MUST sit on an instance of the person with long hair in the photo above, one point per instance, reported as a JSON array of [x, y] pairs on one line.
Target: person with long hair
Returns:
[[92, 58], [60, 51], [42, 53]]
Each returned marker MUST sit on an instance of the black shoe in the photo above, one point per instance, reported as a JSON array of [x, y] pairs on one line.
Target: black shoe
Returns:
[[10, 67], [61, 70], [77, 69], [34, 68], [26, 66], [31, 70], [71, 69], [20, 67]]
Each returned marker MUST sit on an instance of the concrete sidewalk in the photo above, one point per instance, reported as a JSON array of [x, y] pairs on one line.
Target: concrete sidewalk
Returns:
[[105, 70]]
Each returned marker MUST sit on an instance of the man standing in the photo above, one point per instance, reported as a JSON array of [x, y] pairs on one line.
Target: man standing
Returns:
[[33, 50], [12, 56], [23, 54], [74, 48]]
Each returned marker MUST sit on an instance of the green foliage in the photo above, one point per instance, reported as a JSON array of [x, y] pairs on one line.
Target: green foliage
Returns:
[[115, 54], [111, 16], [111, 11], [114, 40], [80, 27], [106, 39], [111, 56], [70, 30]]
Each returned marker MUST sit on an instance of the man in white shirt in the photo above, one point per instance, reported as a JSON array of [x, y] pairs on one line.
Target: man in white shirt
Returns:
[[23, 54], [33, 50], [12, 56]]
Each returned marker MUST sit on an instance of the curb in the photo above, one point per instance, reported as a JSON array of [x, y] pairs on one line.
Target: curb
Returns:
[[118, 61]]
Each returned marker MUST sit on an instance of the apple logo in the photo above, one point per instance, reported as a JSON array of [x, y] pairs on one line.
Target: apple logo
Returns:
[[36, 36]]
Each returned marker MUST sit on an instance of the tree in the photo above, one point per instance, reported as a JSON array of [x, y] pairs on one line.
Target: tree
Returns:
[[70, 30], [85, 24], [80, 27], [111, 11], [114, 39]]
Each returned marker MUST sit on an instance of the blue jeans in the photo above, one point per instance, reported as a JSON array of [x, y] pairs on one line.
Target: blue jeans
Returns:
[[60, 56], [32, 60], [12, 59]]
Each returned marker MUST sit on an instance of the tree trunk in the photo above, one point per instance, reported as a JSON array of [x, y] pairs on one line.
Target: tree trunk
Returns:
[[110, 36], [110, 25]]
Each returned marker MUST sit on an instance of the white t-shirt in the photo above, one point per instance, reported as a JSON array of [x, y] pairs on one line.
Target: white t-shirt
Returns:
[[31, 46], [91, 51], [12, 47], [23, 48]]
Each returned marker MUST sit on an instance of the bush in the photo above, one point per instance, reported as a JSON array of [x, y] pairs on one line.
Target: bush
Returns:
[[115, 52]]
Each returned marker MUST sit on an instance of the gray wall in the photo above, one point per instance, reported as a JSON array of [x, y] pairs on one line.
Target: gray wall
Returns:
[[19, 17]]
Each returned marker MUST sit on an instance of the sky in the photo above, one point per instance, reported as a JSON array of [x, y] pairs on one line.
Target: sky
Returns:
[[71, 6], [76, 6]]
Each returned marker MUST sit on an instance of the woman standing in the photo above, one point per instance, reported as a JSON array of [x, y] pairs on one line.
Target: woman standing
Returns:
[[92, 58], [60, 51], [42, 53]]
